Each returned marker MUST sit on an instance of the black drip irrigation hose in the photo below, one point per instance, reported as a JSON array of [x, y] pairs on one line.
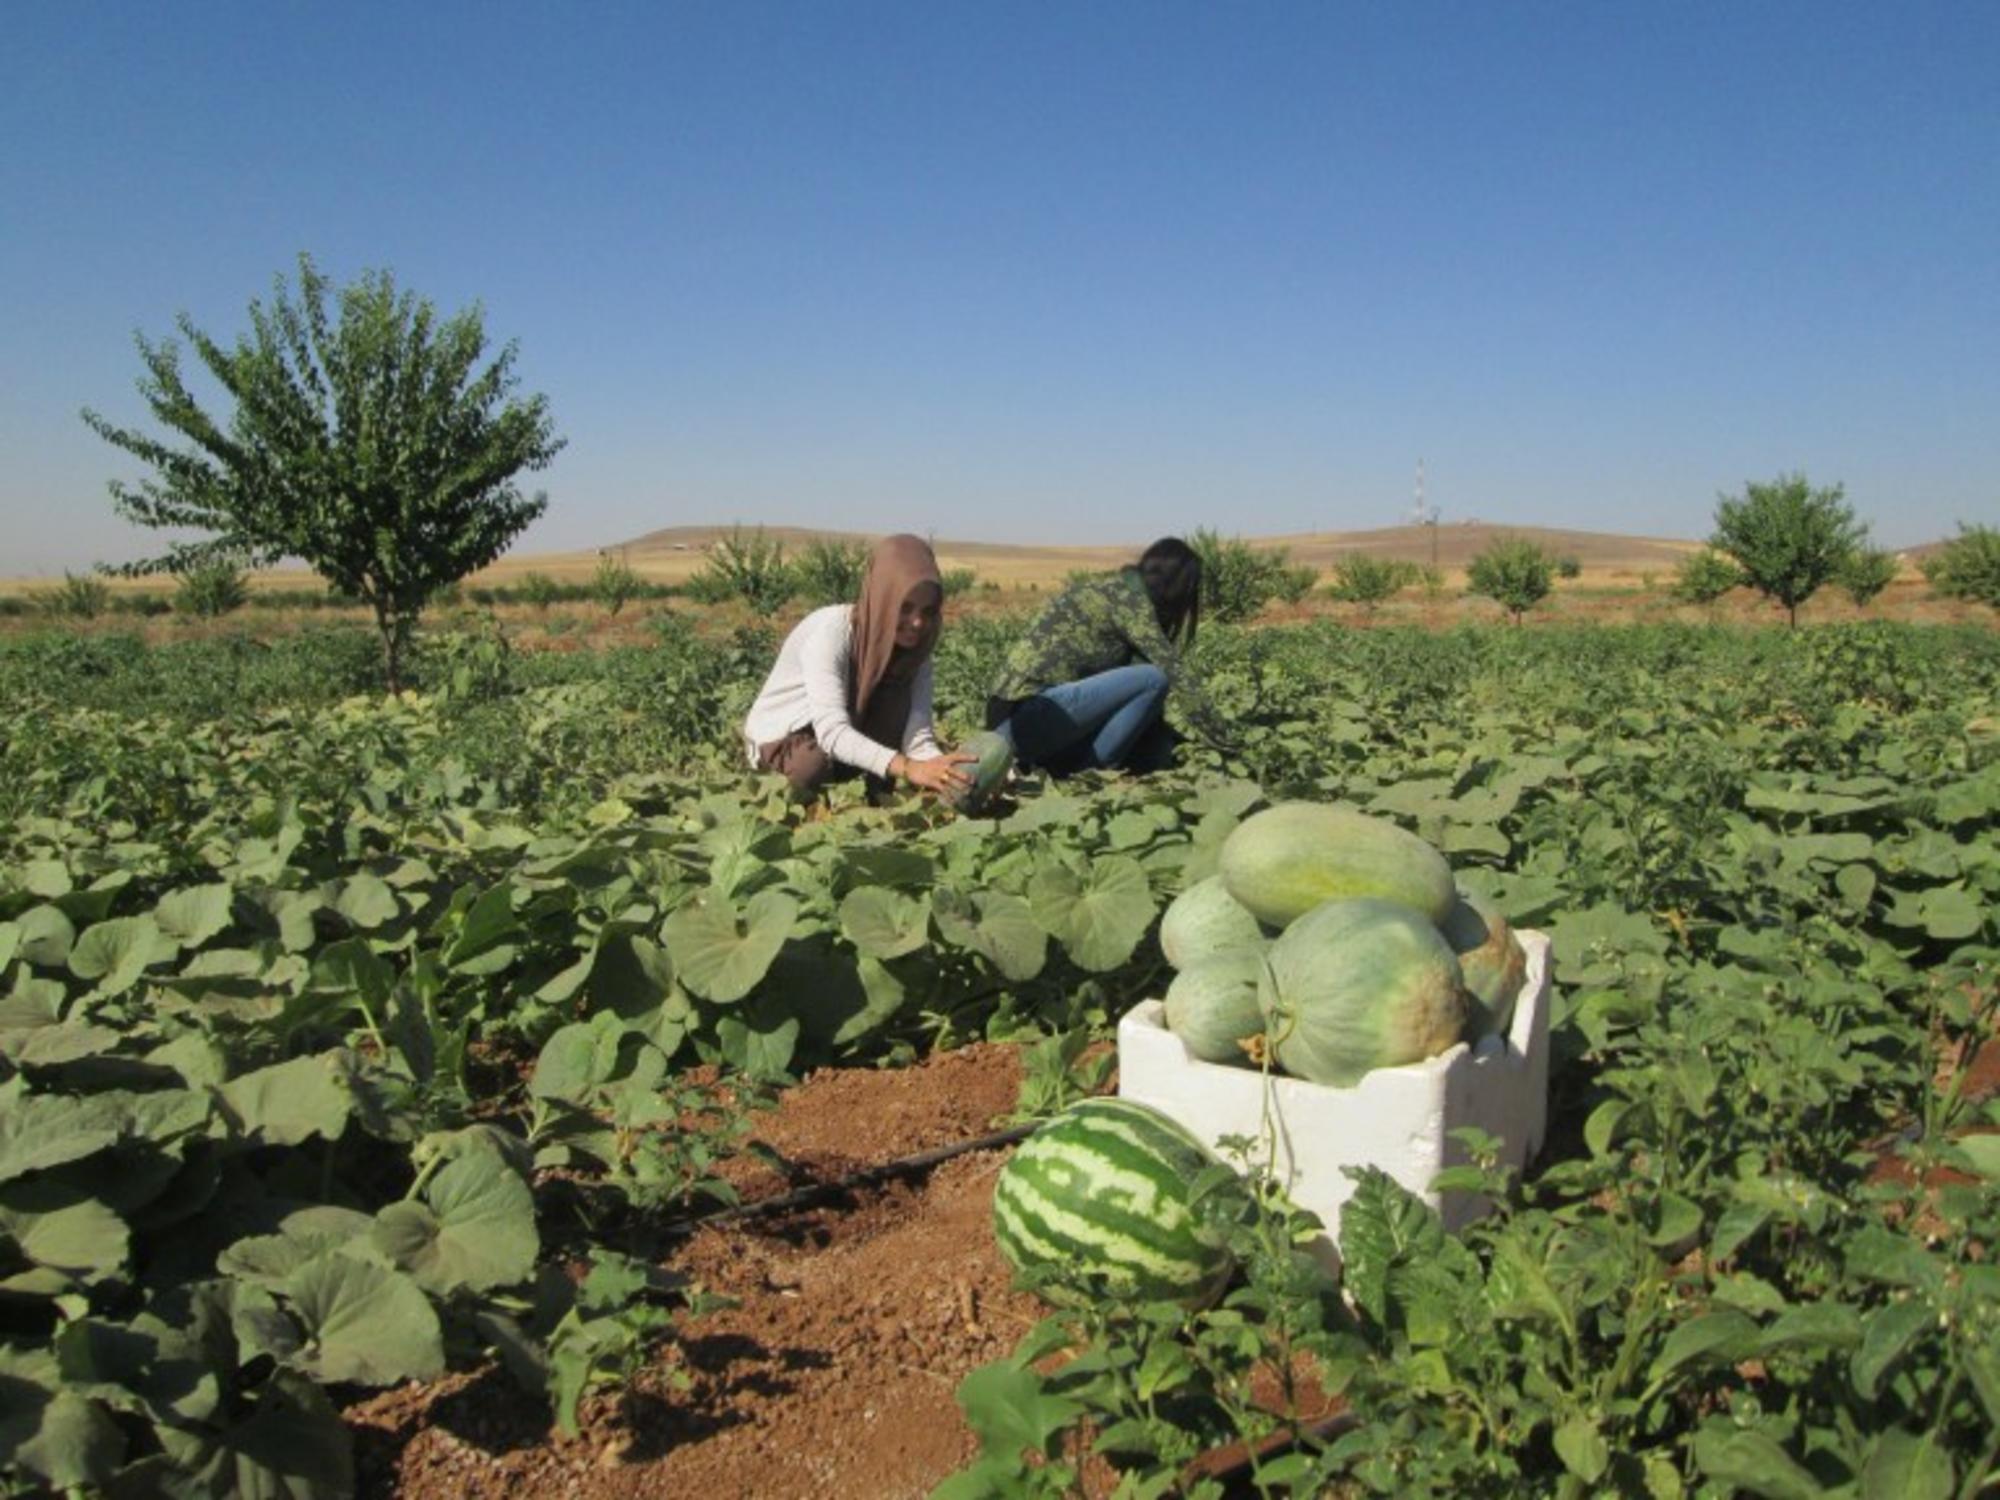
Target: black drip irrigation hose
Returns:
[[815, 1193]]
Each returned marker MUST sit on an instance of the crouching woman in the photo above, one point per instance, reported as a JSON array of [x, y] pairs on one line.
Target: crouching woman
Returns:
[[851, 691], [1086, 687]]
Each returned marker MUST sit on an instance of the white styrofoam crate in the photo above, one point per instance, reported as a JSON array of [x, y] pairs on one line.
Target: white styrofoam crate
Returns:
[[1398, 1119]]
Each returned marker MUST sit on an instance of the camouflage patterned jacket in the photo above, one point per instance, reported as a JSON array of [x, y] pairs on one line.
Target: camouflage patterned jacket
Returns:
[[1092, 626]]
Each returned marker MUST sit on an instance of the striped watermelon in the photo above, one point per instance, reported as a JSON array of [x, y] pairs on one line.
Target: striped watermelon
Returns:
[[994, 756], [1099, 1196]]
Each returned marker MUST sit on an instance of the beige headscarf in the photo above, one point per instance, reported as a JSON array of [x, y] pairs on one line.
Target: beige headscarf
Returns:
[[878, 688]]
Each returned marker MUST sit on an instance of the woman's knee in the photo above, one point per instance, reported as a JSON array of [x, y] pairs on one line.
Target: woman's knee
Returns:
[[809, 776], [799, 759]]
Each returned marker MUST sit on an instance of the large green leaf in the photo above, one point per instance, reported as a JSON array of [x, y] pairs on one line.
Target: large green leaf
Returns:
[[1012, 1411], [1582, 1449], [1518, 1287], [998, 926], [351, 966], [760, 1046], [261, 1326], [887, 865], [1856, 884], [1970, 800], [1753, 1462], [366, 901], [1888, 1334], [577, 1059], [363, 1323], [883, 996], [72, 1444], [195, 914], [1981, 1153], [481, 945], [721, 952], [117, 952], [292, 1101], [632, 974], [1947, 912], [94, 902], [290, 914], [885, 924], [63, 1231], [63, 1042], [1099, 915], [1908, 1466], [474, 1229], [1723, 1336], [1812, 1327], [269, 1260], [1381, 1224], [47, 935], [38, 1131], [46, 878]]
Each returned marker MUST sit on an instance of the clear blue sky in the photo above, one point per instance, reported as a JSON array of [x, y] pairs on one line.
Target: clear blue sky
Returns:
[[1056, 271]]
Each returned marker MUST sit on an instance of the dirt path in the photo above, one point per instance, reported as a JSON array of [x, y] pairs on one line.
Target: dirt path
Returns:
[[833, 1374]]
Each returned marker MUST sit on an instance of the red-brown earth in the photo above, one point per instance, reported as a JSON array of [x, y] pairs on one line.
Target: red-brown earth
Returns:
[[834, 1372]]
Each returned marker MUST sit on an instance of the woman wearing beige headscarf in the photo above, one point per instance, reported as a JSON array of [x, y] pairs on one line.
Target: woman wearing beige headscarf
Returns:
[[851, 691]]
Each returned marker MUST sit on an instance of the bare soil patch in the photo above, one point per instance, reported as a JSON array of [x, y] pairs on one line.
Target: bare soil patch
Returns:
[[833, 1374]]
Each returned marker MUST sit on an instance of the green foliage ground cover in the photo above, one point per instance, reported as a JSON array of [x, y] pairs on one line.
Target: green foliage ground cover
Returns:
[[335, 1027]]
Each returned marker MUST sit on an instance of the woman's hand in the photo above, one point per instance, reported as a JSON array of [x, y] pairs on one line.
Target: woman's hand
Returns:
[[940, 773]]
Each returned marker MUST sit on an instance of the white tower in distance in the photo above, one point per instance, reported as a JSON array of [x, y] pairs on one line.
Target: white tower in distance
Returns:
[[1422, 514]]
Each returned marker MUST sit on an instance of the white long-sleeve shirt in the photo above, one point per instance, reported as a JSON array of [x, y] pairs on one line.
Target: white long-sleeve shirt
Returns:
[[808, 685]]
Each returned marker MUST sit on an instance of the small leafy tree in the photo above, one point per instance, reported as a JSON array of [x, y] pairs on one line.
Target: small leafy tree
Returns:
[[829, 571], [210, 590], [1968, 566], [1359, 578], [748, 566], [1787, 537], [1867, 572], [615, 583], [1704, 577], [1237, 578], [369, 439], [1514, 572], [79, 597], [1291, 584], [538, 589], [1569, 567]]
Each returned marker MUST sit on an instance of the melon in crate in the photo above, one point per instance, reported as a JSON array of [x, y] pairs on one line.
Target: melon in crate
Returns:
[[1204, 920], [1491, 959], [1353, 986], [1212, 1004], [1288, 859]]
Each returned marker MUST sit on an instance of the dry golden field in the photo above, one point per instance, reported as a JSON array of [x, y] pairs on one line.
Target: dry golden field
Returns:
[[1623, 579], [670, 555]]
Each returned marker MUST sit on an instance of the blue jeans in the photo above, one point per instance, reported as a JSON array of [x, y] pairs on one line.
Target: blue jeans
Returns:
[[1093, 724]]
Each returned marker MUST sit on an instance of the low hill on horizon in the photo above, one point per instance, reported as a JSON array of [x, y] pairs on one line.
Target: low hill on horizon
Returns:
[[676, 550]]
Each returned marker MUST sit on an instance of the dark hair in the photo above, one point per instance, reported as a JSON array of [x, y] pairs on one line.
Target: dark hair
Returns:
[[1171, 571]]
